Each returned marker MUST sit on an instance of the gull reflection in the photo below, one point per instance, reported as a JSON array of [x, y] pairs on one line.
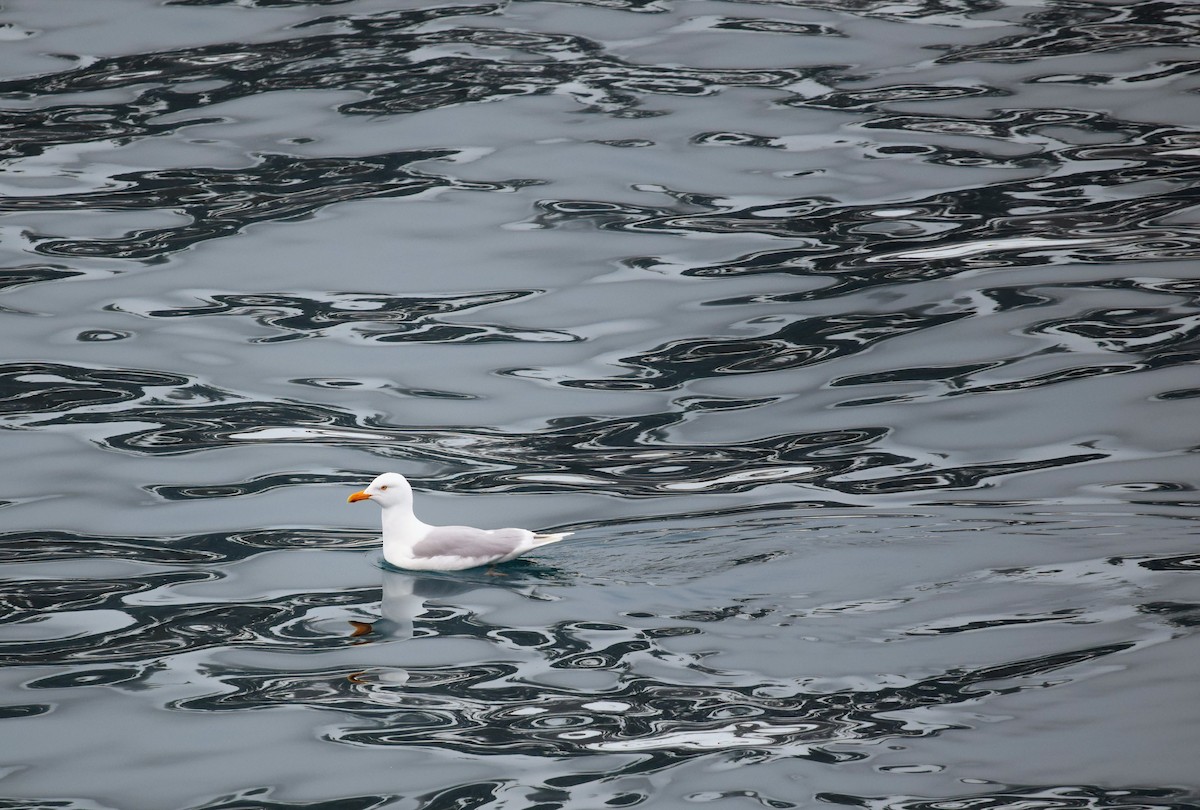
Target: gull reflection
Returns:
[[408, 595]]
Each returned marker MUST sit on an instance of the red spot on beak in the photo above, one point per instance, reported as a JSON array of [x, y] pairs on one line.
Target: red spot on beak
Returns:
[[358, 496]]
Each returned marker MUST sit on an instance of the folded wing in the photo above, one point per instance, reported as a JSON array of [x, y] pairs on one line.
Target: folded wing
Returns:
[[469, 543]]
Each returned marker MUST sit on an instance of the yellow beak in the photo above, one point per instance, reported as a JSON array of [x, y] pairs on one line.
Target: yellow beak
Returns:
[[358, 496]]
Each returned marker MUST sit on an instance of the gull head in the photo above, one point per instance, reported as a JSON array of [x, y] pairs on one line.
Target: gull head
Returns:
[[389, 489]]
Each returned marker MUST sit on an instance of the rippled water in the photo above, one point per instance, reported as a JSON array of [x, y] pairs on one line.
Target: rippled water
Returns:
[[856, 341]]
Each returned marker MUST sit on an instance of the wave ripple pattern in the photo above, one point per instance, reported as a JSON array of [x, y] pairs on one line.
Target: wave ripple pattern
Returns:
[[854, 340]]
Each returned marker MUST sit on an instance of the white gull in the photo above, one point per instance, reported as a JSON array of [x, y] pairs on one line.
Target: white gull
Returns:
[[412, 544]]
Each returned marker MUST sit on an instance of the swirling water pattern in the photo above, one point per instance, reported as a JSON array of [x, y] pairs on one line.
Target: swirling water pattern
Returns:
[[855, 340]]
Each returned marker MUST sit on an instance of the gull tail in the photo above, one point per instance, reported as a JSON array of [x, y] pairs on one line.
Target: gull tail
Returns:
[[546, 538]]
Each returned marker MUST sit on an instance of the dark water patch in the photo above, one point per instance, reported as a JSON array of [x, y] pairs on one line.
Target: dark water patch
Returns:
[[15, 712], [42, 388], [480, 794], [799, 343], [128, 677], [1145, 143], [1130, 329], [716, 614], [626, 143], [753, 795], [621, 455], [963, 477], [1080, 373], [223, 202], [954, 376], [991, 622], [1154, 486], [768, 26], [42, 546], [203, 549], [1177, 614], [386, 386], [1053, 797], [36, 131], [187, 430], [22, 600], [866, 247], [155, 631], [944, 11], [365, 316], [1082, 28], [259, 798], [256, 485], [376, 55], [258, 4], [869, 100], [1181, 562], [626, 455], [253, 798], [1085, 212], [349, 58], [936, 154], [13, 277], [486, 709], [102, 335], [1156, 71], [1165, 337], [1182, 393]]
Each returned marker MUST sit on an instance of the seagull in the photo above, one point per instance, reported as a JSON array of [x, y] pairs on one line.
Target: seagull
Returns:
[[409, 543]]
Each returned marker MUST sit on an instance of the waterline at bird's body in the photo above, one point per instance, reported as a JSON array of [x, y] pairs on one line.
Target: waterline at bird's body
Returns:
[[412, 544]]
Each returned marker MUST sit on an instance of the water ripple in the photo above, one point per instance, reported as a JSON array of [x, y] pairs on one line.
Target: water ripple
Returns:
[[799, 342], [1088, 28], [873, 253], [1082, 215], [625, 454], [210, 547], [149, 631], [1065, 797], [21, 600], [362, 316], [223, 202], [486, 709]]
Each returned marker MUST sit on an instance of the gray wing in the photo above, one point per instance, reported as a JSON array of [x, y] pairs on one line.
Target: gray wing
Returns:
[[464, 541]]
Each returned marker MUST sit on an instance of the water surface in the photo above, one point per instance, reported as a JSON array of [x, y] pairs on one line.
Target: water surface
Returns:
[[856, 342]]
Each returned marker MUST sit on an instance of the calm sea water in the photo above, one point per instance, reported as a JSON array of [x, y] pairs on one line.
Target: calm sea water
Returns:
[[856, 341]]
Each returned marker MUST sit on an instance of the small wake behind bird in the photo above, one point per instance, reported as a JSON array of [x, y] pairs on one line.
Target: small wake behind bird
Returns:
[[409, 543]]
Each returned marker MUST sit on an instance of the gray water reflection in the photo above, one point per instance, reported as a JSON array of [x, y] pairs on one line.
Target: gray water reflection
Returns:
[[854, 340], [632, 672]]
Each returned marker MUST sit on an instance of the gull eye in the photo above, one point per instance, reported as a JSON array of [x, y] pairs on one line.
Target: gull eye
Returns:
[[383, 486]]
